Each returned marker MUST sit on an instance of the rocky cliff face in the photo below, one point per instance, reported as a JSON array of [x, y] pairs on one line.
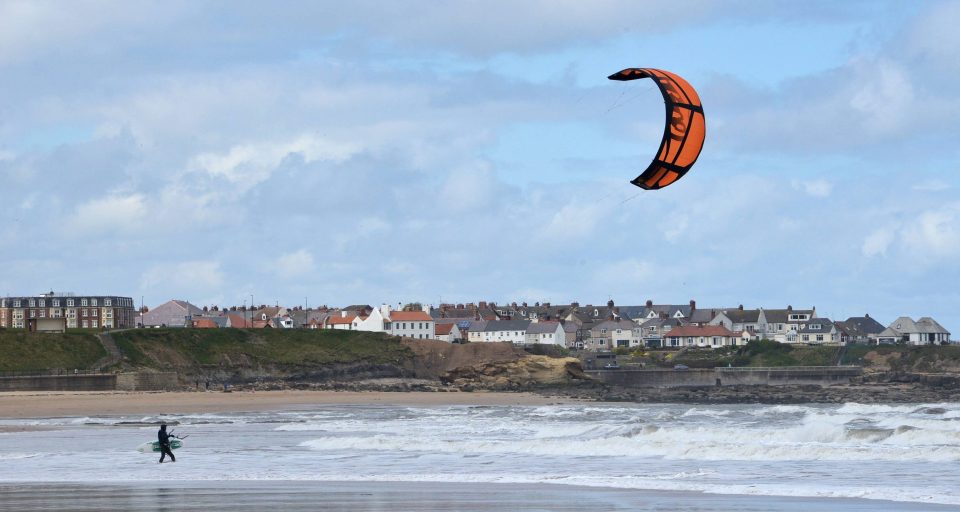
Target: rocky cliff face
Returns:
[[526, 373]]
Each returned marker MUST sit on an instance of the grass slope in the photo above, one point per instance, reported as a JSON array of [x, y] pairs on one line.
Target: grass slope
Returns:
[[172, 348], [22, 351]]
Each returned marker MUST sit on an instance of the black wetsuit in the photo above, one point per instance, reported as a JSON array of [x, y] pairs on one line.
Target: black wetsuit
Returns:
[[164, 439]]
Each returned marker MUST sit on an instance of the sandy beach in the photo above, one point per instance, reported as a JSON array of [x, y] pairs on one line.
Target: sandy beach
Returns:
[[56, 404]]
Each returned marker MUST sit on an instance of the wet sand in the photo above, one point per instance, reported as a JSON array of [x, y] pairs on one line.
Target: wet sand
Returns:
[[238, 496], [58, 404]]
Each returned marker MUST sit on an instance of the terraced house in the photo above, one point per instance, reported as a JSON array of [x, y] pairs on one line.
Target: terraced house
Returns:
[[57, 311]]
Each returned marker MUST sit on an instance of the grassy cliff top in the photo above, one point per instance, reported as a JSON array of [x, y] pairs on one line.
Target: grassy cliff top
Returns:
[[22, 351], [173, 348]]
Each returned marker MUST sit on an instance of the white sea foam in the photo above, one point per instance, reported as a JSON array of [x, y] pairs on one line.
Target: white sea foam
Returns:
[[877, 452]]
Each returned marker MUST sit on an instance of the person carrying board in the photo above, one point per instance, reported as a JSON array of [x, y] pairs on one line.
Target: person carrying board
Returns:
[[164, 438]]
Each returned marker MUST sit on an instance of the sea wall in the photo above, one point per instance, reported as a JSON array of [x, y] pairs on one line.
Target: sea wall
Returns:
[[142, 381], [94, 382], [139, 381], [661, 378]]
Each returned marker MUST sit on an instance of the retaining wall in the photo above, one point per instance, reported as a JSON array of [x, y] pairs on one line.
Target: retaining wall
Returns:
[[817, 375], [92, 382]]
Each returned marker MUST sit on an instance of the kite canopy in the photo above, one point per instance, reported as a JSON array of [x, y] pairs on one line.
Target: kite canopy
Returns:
[[683, 134]]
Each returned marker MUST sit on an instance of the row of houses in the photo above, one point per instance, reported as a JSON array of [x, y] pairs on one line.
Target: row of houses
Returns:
[[586, 327]]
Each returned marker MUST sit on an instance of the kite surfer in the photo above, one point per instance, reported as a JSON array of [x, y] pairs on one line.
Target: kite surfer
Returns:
[[164, 438]]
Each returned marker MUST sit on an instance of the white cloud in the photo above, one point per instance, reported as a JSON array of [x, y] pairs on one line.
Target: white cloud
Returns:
[[931, 185], [110, 215], [886, 99], [184, 279], [468, 188], [247, 165], [934, 234], [295, 264], [877, 242], [815, 188]]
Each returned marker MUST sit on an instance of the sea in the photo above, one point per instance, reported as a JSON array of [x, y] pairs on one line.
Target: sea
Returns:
[[477, 458]]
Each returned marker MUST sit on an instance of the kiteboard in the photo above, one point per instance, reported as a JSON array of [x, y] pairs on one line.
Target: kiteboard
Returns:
[[155, 446]]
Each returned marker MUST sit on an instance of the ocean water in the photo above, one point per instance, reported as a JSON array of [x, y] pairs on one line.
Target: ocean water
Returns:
[[903, 453]]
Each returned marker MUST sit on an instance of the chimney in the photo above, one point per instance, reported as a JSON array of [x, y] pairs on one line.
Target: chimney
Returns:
[[649, 303], [866, 315], [524, 304], [546, 304], [513, 305], [789, 308], [693, 304], [741, 307], [575, 304], [610, 303], [483, 305]]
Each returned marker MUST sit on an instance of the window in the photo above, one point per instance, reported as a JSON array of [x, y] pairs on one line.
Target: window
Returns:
[[42, 303], [33, 303], [42, 313], [93, 323], [93, 302], [16, 303], [56, 303], [819, 337], [83, 302], [69, 303], [603, 331], [806, 337], [107, 302], [86, 324], [56, 313]]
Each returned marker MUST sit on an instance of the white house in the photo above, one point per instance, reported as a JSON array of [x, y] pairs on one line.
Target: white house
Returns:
[[925, 331], [818, 331], [546, 333], [374, 322], [514, 331], [448, 332], [713, 336], [410, 324]]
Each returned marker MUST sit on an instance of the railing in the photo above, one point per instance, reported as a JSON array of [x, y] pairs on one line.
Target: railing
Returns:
[[49, 372], [769, 368]]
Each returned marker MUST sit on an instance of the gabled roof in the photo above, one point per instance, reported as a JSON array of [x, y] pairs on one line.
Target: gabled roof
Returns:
[[864, 324], [782, 316], [506, 325], [810, 326], [702, 316], [929, 325], [660, 322], [237, 321], [443, 329], [743, 316], [205, 323], [410, 316], [616, 324], [542, 327], [706, 330], [341, 320], [903, 325]]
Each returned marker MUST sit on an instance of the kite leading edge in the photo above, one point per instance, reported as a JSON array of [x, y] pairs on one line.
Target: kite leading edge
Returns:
[[683, 134]]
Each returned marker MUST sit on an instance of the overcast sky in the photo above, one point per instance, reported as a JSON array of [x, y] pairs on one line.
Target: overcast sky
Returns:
[[370, 152]]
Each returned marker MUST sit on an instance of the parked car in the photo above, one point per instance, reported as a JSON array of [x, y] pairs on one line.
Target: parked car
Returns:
[[611, 366], [680, 367]]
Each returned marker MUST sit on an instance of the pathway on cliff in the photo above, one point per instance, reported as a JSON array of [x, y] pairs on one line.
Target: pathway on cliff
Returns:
[[113, 352]]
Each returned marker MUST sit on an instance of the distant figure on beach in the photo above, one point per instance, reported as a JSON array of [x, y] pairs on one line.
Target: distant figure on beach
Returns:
[[164, 439]]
